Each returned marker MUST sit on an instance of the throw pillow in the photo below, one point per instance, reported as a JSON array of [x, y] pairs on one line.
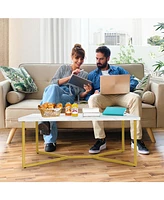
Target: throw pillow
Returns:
[[19, 78], [15, 97], [143, 85], [148, 97]]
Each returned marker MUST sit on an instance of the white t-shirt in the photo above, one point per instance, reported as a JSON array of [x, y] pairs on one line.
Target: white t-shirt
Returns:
[[105, 72]]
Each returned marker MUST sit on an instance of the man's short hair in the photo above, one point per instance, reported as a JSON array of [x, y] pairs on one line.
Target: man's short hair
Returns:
[[105, 50]]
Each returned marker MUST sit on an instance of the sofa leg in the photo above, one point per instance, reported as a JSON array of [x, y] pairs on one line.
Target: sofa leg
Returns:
[[151, 135], [11, 135]]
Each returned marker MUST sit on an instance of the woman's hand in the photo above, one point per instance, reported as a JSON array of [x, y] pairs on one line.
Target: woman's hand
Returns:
[[66, 79], [76, 71]]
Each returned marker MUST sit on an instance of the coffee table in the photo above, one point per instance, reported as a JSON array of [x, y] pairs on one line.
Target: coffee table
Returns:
[[59, 157]]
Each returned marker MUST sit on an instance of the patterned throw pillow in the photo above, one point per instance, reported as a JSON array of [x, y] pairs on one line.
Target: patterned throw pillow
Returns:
[[19, 78], [143, 85]]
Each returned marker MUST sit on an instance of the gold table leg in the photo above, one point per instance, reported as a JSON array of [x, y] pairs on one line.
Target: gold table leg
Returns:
[[60, 157], [135, 143], [36, 137], [123, 136], [23, 144]]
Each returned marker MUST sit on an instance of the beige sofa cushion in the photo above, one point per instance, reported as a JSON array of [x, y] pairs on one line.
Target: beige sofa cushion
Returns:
[[148, 97], [30, 106], [15, 97]]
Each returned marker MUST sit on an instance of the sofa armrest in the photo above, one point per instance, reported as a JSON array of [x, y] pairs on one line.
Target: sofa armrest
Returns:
[[158, 89], [4, 89]]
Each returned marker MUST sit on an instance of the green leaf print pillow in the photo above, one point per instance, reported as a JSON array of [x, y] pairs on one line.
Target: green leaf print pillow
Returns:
[[19, 78], [143, 85]]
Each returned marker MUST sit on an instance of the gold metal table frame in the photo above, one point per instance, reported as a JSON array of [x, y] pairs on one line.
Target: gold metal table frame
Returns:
[[59, 157]]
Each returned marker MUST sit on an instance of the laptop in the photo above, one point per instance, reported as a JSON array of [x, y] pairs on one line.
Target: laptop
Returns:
[[79, 81], [115, 84]]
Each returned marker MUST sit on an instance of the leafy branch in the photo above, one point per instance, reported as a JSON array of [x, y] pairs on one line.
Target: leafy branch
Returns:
[[159, 64], [126, 55]]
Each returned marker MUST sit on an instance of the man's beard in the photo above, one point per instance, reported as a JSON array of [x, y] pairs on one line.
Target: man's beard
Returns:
[[101, 66]]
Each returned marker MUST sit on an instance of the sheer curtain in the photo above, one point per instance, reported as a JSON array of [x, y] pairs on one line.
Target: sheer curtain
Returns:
[[58, 36], [55, 40]]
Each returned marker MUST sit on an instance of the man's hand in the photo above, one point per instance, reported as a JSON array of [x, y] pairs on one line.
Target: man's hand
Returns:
[[87, 88], [96, 92]]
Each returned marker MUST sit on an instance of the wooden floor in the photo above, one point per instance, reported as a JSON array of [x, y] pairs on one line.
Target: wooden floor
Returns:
[[150, 167]]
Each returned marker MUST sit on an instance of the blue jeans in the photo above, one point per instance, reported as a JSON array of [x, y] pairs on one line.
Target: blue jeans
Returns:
[[56, 94]]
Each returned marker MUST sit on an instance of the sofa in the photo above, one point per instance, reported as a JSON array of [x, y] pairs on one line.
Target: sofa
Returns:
[[41, 73]]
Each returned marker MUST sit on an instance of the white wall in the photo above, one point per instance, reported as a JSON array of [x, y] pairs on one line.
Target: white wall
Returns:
[[24, 41]]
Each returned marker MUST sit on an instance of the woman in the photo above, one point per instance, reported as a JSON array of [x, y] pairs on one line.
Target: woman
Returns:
[[60, 91]]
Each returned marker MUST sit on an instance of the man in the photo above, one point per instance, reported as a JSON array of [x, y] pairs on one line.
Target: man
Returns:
[[130, 100]]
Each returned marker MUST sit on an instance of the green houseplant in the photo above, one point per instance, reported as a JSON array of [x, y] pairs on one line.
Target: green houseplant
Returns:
[[159, 65], [126, 55]]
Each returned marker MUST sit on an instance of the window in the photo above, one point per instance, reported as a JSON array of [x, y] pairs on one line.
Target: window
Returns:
[[116, 32], [92, 32]]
